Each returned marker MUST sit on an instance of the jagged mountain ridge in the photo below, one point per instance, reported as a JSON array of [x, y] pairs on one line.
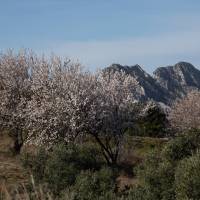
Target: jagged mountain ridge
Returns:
[[166, 84]]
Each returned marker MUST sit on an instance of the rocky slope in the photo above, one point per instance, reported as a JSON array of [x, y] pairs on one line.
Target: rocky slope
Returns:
[[166, 84]]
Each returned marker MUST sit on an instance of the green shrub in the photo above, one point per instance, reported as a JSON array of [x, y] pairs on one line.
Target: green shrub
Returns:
[[153, 124], [157, 172], [66, 162], [60, 175], [136, 193], [88, 157], [156, 178], [94, 185], [60, 167], [182, 146], [187, 178]]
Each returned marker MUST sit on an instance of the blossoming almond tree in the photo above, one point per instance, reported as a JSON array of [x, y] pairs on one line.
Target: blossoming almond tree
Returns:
[[116, 112], [14, 94], [48, 113], [68, 102], [185, 113]]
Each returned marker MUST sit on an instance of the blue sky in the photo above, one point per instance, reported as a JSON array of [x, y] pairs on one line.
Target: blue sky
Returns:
[[151, 33]]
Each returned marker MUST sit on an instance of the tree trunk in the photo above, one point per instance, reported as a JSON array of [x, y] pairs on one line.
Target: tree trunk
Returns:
[[111, 157], [18, 141], [17, 146]]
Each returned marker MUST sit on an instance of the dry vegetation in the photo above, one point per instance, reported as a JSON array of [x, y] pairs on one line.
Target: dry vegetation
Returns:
[[11, 171]]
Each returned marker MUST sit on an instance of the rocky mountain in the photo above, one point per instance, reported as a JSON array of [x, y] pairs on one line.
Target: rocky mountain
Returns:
[[178, 79], [166, 84]]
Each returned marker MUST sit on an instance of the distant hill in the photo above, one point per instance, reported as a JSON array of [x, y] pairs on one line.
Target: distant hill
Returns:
[[166, 84]]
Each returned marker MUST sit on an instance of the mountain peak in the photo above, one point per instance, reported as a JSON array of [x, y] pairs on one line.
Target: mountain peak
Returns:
[[178, 79], [183, 64], [137, 68], [180, 66], [116, 66], [134, 69]]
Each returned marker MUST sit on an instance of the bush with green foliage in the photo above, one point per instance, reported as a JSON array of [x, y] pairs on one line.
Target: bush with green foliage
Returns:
[[91, 185], [153, 124], [136, 193], [156, 178], [60, 167], [159, 176], [182, 146], [187, 178], [60, 170]]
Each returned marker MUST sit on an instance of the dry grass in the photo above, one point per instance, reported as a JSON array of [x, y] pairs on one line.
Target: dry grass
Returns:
[[22, 193], [11, 171], [15, 183]]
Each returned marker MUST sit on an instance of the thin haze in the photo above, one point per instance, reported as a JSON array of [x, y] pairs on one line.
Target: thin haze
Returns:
[[101, 32]]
